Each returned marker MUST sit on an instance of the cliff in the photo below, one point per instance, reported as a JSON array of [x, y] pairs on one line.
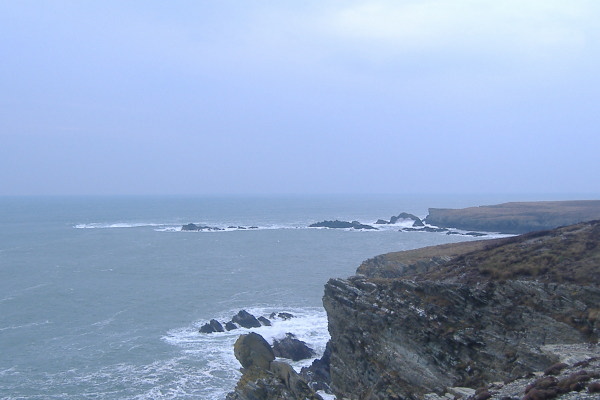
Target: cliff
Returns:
[[465, 315], [518, 217]]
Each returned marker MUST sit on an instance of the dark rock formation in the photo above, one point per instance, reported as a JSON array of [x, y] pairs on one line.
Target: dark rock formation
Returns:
[[516, 217], [317, 374], [292, 348], [245, 319], [573, 381], [194, 227], [282, 315], [212, 326], [266, 379], [229, 326], [264, 321], [466, 316], [402, 216], [341, 225]]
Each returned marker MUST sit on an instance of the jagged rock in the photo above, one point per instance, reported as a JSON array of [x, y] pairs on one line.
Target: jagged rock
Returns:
[[282, 315], [317, 375], [341, 225], [266, 379], [212, 326], [483, 314], [229, 326], [252, 350], [292, 348], [571, 382], [264, 321], [190, 227], [245, 319], [416, 220], [402, 216]]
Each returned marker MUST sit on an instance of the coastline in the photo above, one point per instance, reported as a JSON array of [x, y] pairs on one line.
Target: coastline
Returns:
[[405, 323]]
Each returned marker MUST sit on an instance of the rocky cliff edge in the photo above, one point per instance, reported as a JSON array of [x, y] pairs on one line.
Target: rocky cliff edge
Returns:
[[414, 324]]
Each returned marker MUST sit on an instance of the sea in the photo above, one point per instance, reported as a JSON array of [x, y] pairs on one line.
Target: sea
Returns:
[[102, 297]]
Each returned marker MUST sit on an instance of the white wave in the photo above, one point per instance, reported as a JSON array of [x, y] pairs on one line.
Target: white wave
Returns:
[[104, 225], [169, 229], [29, 325]]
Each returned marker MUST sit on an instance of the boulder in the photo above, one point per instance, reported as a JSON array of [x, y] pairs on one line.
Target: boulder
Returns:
[[252, 350], [263, 378], [245, 319], [230, 326], [212, 326], [292, 348], [264, 321]]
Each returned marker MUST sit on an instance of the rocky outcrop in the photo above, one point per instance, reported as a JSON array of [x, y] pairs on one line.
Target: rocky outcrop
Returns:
[[341, 225], [402, 216], [292, 348], [482, 312], [318, 375], [212, 326], [246, 320], [575, 377], [194, 227], [517, 217], [262, 377]]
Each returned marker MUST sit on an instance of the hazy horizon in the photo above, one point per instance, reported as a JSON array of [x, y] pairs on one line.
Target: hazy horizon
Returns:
[[324, 97]]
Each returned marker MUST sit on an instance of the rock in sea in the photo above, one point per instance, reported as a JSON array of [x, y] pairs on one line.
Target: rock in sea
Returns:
[[245, 319], [212, 326], [292, 348]]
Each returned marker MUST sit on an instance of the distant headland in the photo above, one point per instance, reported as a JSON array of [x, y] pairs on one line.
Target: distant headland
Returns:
[[516, 217]]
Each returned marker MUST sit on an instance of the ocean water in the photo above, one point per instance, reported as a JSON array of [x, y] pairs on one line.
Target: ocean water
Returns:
[[102, 297]]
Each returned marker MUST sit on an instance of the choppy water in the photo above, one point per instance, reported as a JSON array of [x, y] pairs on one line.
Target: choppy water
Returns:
[[101, 298]]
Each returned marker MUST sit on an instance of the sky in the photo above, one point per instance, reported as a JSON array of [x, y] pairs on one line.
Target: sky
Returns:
[[281, 97]]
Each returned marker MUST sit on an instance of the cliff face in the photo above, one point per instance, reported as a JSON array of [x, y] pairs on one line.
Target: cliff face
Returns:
[[438, 321], [517, 217]]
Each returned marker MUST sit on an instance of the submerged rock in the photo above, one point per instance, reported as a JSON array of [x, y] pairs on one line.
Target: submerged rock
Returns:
[[282, 315]]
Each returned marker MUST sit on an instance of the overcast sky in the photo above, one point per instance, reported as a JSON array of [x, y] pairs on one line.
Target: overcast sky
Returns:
[[219, 97]]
